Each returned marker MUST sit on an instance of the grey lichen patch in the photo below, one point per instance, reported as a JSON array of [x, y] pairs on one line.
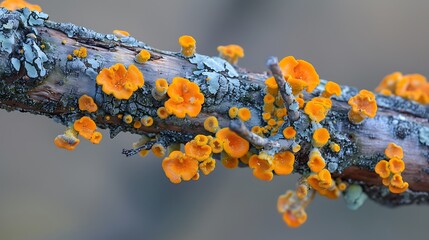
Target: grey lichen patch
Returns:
[[33, 18], [13, 26], [400, 104], [354, 197], [108, 41], [34, 59], [424, 136]]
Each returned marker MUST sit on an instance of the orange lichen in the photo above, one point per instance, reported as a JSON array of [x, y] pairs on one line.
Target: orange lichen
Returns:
[[397, 185], [119, 81], [85, 126], [211, 124], [80, 53], [382, 169], [269, 98], [13, 5], [281, 112], [128, 119], [394, 151], [390, 171], [86, 103], [244, 114], [266, 116], [233, 112], [389, 82], [185, 98], [411, 86], [322, 183], [137, 124], [283, 163], [162, 113], [272, 122], [342, 186], [268, 107], [335, 147], [363, 106], [331, 88], [316, 162], [201, 140], [245, 159], [188, 45], [272, 87], [320, 137], [289, 132], [178, 166], [160, 89], [194, 150], [293, 208], [229, 162], [386, 181], [262, 168], [196, 177], [300, 73], [147, 121], [296, 218], [207, 166], [296, 147], [301, 191], [143, 56], [69, 57], [96, 138], [234, 145], [231, 53], [158, 150], [216, 144], [121, 33], [317, 108], [396, 165], [68, 140]]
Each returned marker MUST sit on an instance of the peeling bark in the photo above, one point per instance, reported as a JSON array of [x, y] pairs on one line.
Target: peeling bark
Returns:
[[41, 80]]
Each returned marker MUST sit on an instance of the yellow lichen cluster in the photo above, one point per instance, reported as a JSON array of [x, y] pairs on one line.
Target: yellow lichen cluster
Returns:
[[263, 167], [185, 166], [323, 183], [413, 87], [390, 170], [80, 53], [84, 127]]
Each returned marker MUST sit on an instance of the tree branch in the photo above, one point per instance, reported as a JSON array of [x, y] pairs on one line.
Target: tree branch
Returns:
[[37, 77]]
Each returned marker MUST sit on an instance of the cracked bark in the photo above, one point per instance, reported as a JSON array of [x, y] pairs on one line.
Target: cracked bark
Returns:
[[55, 95]]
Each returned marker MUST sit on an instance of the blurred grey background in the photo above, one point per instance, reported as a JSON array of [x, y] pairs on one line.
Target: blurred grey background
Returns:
[[95, 192]]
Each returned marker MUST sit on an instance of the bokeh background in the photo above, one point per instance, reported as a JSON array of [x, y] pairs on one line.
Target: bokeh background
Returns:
[[95, 192]]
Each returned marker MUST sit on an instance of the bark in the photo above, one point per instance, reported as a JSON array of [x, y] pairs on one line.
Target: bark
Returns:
[[37, 77]]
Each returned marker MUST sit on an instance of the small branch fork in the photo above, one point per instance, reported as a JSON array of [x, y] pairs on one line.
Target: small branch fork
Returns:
[[285, 89], [134, 151]]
